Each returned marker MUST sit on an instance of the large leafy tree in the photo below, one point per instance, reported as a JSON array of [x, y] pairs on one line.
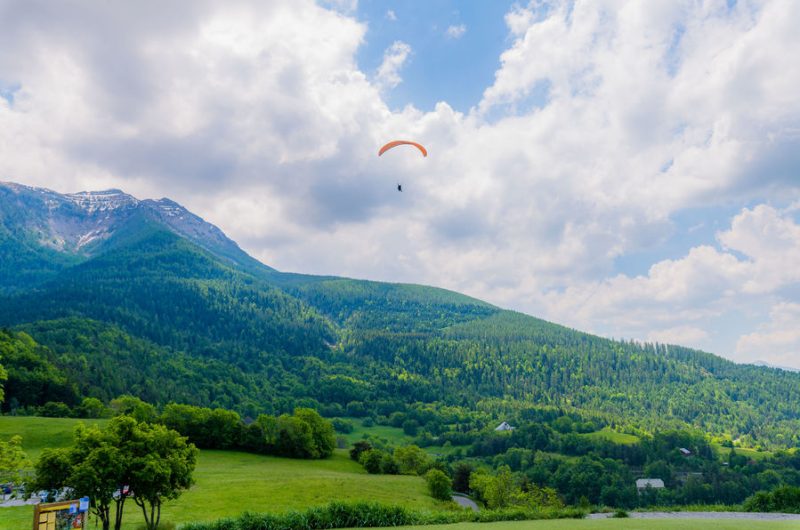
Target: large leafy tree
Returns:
[[150, 461], [160, 467]]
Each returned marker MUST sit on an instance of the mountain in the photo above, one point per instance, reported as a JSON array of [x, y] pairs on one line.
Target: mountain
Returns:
[[44, 232], [124, 295], [777, 367]]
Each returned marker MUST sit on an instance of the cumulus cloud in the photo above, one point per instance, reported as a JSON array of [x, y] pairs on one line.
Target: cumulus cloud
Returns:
[[391, 15], [605, 119], [394, 58], [456, 32], [777, 340], [677, 300]]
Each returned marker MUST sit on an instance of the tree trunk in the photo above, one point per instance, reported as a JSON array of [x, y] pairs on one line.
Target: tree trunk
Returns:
[[118, 512], [102, 513]]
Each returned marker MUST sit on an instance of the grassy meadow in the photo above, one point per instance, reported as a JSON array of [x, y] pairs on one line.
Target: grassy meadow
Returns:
[[613, 436], [390, 436], [228, 483]]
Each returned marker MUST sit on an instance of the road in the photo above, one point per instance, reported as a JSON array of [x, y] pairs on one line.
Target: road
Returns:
[[465, 502]]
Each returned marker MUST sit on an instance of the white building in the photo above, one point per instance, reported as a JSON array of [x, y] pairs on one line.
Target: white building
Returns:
[[644, 483], [504, 427]]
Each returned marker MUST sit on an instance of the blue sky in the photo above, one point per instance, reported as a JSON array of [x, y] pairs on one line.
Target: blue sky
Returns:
[[455, 68], [626, 168]]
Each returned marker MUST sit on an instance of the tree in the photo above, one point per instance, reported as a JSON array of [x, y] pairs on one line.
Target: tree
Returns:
[[3, 377], [358, 448], [154, 462], [160, 465], [322, 433], [411, 460], [461, 473], [439, 485], [372, 461], [92, 467], [132, 406], [12, 460], [498, 490], [294, 437], [93, 408]]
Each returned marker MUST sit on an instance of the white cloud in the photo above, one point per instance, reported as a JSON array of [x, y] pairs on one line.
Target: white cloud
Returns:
[[678, 335], [605, 119], [391, 15], [456, 32], [394, 58], [778, 340], [678, 300]]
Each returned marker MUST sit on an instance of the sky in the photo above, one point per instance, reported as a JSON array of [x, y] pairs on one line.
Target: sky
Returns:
[[627, 168]]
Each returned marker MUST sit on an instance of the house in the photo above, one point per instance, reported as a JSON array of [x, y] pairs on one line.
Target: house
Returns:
[[684, 451], [504, 427], [644, 483]]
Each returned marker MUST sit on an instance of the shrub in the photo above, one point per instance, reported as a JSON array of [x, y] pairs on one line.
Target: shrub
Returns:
[[358, 448], [342, 426], [781, 499], [55, 409], [439, 485], [372, 461], [364, 515]]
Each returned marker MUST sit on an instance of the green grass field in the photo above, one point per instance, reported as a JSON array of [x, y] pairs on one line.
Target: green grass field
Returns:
[[614, 524], [752, 454], [391, 435], [40, 433], [613, 436], [228, 483]]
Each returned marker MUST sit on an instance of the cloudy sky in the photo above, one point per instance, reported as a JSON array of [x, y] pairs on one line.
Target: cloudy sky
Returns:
[[627, 168]]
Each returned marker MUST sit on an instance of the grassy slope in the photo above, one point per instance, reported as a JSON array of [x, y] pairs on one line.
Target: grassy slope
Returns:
[[613, 436], [40, 433], [228, 483]]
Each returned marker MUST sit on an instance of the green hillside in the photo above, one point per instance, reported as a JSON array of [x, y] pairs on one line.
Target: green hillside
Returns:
[[176, 312]]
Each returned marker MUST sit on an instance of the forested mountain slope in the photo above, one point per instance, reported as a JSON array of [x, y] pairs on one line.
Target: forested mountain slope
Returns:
[[162, 304]]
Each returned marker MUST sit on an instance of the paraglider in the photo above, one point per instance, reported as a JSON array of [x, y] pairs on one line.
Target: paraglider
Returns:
[[394, 144]]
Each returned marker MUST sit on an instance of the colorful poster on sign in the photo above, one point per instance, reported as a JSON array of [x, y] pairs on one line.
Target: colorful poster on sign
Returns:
[[59, 516]]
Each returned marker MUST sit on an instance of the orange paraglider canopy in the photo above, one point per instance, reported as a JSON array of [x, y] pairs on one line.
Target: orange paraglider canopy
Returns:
[[402, 142]]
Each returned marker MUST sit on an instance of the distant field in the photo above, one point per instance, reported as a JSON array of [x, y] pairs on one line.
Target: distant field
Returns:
[[613, 436], [744, 451], [40, 433], [392, 435], [613, 524], [228, 483]]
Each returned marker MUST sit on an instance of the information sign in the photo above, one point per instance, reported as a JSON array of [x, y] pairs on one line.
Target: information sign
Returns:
[[66, 515]]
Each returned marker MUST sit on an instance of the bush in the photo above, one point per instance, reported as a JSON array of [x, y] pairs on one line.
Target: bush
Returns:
[[439, 485], [55, 409], [333, 515], [342, 426], [781, 499], [358, 448], [372, 461], [364, 515]]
